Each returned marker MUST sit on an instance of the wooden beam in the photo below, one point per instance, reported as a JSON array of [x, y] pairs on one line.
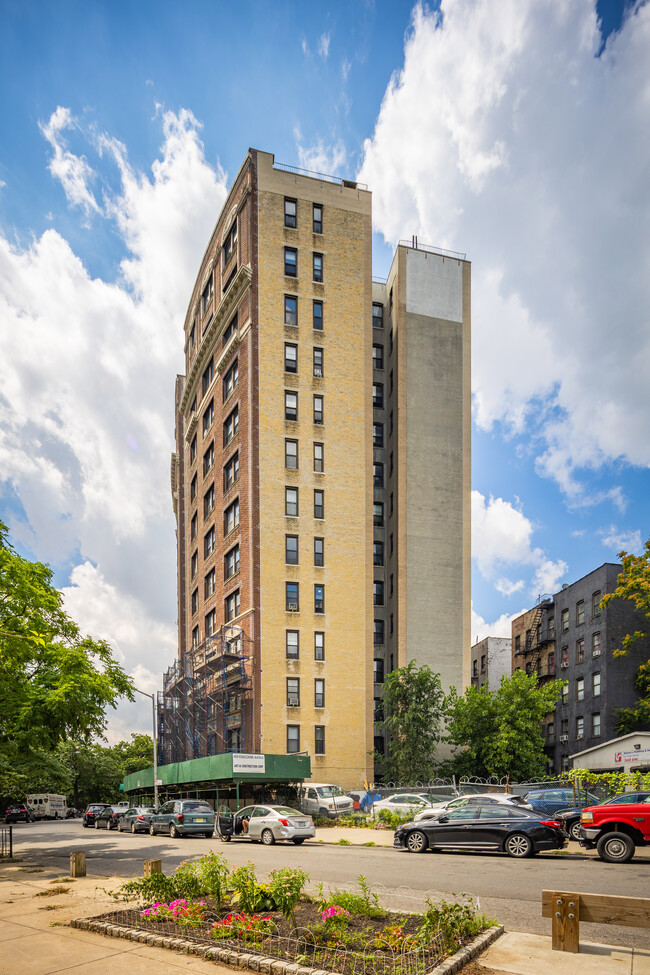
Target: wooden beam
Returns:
[[631, 912], [565, 920]]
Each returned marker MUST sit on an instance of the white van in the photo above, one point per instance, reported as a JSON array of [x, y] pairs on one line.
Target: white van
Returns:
[[322, 799], [44, 806]]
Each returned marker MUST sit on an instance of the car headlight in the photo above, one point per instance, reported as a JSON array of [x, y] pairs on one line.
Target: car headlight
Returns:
[[587, 817]]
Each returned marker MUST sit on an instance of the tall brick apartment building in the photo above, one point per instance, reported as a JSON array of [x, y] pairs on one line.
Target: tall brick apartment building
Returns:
[[321, 478]]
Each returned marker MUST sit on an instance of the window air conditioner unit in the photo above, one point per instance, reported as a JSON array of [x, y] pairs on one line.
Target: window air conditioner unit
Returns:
[[318, 372], [564, 737], [595, 653], [564, 664], [292, 607], [294, 702], [579, 737]]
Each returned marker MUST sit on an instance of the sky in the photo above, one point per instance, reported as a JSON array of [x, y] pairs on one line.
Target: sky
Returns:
[[514, 131]]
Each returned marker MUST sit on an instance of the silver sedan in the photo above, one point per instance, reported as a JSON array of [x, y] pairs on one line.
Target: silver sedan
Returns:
[[267, 824], [136, 819]]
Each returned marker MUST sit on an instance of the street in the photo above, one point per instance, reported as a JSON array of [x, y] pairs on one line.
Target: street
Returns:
[[508, 890]]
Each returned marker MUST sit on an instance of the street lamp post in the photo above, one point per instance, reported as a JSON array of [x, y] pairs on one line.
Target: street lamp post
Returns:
[[155, 748]]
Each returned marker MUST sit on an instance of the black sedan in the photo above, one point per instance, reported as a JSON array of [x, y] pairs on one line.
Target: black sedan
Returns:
[[18, 814], [92, 812], [109, 817], [517, 832]]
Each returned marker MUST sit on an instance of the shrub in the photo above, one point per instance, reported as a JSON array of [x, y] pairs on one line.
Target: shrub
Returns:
[[181, 911], [250, 896], [285, 887], [452, 921]]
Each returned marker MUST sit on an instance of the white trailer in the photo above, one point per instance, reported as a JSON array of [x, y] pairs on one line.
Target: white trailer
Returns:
[[47, 806]]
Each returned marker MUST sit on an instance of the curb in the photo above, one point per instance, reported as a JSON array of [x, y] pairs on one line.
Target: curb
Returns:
[[462, 957]]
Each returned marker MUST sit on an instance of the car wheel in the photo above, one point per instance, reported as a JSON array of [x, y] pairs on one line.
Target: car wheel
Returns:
[[173, 832], [268, 839], [298, 840], [518, 845], [225, 839], [615, 848], [574, 830], [85, 825], [152, 829], [97, 826], [119, 827], [133, 829], [209, 836], [416, 842]]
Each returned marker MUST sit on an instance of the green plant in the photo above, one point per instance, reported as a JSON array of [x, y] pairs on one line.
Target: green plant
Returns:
[[371, 843], [285, 886], [206, 877], [452, 921], [248, 927], [392, 937], [343, 842], [250, 896], [365, 904], [181, 911], [394, 819], [157, 887]]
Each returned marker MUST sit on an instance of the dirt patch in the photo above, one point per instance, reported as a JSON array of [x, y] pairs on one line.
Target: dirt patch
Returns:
[[51, 893]]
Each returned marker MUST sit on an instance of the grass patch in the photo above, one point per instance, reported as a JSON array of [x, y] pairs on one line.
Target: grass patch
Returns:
[[344, 843], [371, 843], [51, 907], [52, 893], [63, 880]]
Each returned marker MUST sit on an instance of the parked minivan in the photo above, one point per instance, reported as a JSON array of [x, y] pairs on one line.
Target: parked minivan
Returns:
[[184, 817], [322, 799]]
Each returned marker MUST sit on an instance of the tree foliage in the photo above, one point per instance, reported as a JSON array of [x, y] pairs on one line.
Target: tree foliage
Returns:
[[413, 701], [501, 730]]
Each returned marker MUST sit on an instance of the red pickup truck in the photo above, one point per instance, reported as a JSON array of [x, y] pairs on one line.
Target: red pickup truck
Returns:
[[616, 831]]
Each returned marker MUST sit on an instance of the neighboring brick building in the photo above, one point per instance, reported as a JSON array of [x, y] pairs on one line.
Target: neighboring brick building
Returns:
[[570, 638], [491, 660], [309, 563]]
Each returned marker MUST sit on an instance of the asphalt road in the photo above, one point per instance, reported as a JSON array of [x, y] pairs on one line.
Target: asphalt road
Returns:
[[508, 890]]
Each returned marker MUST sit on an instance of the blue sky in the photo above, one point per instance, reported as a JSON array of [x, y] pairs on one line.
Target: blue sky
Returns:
[[512, 130]]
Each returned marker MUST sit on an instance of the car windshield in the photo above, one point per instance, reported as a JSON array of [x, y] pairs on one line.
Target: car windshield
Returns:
[[329, 792], [197, 807], [285, 811], [95, 808]]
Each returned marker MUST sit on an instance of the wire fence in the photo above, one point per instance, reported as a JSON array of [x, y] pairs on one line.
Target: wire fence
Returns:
[[6, 842]]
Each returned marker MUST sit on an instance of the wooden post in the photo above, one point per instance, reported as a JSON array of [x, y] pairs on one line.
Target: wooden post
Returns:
[[78, 864], [565, 920], [151, 867]]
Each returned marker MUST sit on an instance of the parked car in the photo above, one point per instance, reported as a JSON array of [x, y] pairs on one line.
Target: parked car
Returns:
[[483, 828], [438, 809], [267, 824], [183, 817], [18, 814], [108, 818], [616, 830], [402, 803], [92, 812], [551, 801], [570, 818], [136, 819], [324, 799]]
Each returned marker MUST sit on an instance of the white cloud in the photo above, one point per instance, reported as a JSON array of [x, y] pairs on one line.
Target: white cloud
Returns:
[[620, 540], [305, 47], [324, 45], [73, 171], [502, 137], [320, 158], [500, 627], [507, 587]]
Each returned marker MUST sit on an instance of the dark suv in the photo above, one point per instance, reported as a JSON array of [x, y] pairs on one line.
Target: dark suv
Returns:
[[92, 812], [18, 814]]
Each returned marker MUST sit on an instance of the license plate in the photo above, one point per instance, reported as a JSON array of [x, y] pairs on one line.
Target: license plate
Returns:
[[201, 820]]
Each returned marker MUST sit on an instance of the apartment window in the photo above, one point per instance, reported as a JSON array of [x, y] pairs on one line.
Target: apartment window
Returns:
[[319, 458], [580, 689], [230, 244], [319, 739], [206, 297], [293, 692], [391, 544], [291, 549], [595, 603], [195, 636], [550, 732], [231, 472], [210, 584], [291, 597], [565, 620], [319, 693], [293, 644], [564, 726], [231, 379], [318, 363], [318, 409], [378, 593], [378, 666], [194, 526], [209, 542], [377, 357], [565, 694], [208, 417], [378, 514], [230, 331], [231, 563], [319, 504], [580, 727], [195, 601], [194, 563], [290, 357], [317, 316], [392, 503], [319, 598], [208, 376], [291, 454], [318, 267], [232, 605], [211, 623], [378, 434], [377, 315], [595, 725], [518, 643], [208, 459], [483, 663], [551, 627], [392, 626], [193, 487], [565, 657], [230, 426], [378, 553], [290, 405], [580, 651], [231, 517], [595, 685], [391, 422], [319, 645], [379, 631], [580, 612], [290, 212], [290, 310], [595, 644], [291, 502], [192, 337], [319, 551], [551, 663], [193, 450], [390, 382], [293, 739], [378, 395], [390, 341], [291, 262], [378, 475], [317, 219]]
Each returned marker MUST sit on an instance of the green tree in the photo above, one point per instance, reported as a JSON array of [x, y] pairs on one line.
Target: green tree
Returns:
[[501, 731], [633, 584], [135, 754], [94, 772], [55, 684], [413, 702]]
